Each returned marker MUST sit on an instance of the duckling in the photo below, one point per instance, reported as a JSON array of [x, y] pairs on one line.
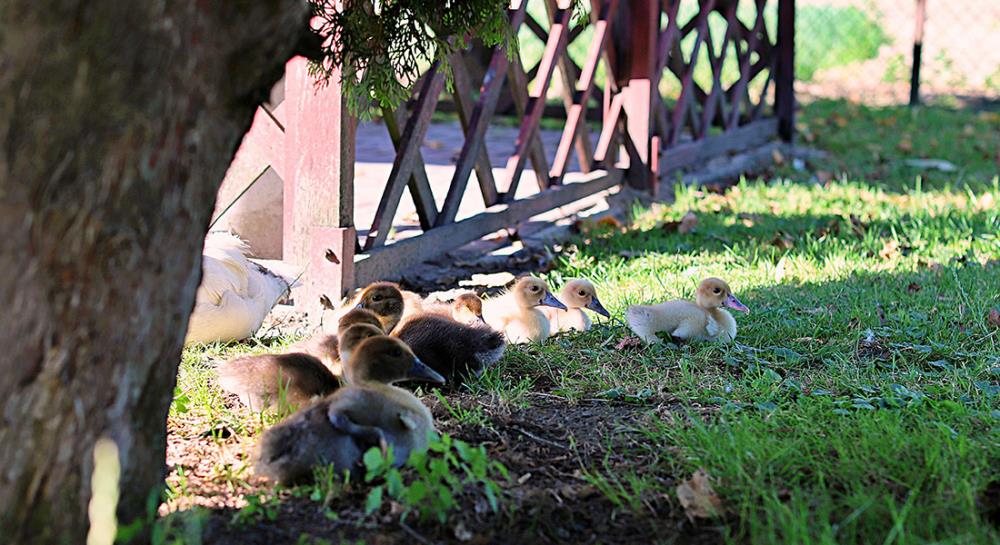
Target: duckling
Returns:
[[467, 309], [515, 313], [577, 294], [332, 349], [290, 450], [455, 350], [384, 299], [260, 380], [704, 319], [235, 294], [371, 400]]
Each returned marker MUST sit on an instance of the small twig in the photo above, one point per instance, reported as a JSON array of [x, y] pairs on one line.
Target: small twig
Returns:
[[538, 439], [413, 533]]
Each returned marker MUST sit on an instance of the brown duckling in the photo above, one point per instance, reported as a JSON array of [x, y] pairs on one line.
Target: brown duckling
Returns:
[[703, 319], [456, 350], [290, 450], [332, 349], [467, 309], [516, 313], [385, 300], [262, 381], [371, 400], [577, 294], [340, 428]]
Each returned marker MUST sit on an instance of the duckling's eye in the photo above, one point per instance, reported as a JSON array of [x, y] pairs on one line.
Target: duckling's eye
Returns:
[[534, 288], [717, 291], [583, 294], [396, 353]]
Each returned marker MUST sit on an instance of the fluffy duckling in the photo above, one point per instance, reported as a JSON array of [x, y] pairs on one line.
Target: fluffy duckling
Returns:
[[577, 294], [332, 349], [384, 299], [515, 313], [262, 381], [235, 294], [371, 400], [467, 309], [455, 350], [704, 319], [290, 450]]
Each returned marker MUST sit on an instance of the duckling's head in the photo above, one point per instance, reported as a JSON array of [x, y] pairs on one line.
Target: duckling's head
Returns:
[[531, 292], [467, 309], [580, 293], [385, 300], [386, 360], [351, 337], [357, 316], [715, 293]]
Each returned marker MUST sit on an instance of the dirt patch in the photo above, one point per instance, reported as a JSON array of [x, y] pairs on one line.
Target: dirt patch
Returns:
[[549, 446]]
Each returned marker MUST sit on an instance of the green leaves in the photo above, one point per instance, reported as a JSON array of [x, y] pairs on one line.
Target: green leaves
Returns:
[[431, 481]]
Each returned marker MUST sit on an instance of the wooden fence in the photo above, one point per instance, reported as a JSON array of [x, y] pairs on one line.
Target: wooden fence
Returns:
[[683, 81]]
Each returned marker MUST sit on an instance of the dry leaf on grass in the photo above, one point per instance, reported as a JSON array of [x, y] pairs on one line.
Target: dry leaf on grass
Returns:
[[783, 240], [913, 287], [688, 223], [777, 157], [905, 145], [628, 343], [994, 318], [890, 249], [698, 498]]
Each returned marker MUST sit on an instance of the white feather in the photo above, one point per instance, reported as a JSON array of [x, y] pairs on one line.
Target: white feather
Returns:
[[235, 294]]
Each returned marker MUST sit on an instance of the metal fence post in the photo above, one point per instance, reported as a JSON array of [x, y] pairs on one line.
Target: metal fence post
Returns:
[[784, 92], [318, 222]]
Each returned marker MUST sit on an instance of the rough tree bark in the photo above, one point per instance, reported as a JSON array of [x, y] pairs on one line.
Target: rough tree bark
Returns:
[[117, 121]]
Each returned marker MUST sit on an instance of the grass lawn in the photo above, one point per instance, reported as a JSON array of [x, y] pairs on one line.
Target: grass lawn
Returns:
[[860, 403]]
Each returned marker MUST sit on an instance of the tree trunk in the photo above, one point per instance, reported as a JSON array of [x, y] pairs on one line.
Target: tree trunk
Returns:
[[117, 121]]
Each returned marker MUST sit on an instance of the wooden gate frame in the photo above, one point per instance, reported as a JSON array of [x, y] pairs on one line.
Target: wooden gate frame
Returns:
[[639, 42]]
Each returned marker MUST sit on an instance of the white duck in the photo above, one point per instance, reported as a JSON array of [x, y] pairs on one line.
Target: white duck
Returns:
[[516, 314], [235, 294], [577, 295], [701, 320]]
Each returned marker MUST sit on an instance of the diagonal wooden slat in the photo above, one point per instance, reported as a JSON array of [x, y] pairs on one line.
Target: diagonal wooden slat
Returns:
[[569, 72], [740, 88], [688, 85], [608, 129], [716, 101], [419, 185], [519, 93], [554, 47], [406, 158], [463, 99], [536, 28], [479, 120], [577, 109]]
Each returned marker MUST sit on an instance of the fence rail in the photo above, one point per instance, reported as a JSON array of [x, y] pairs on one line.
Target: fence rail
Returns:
[[645, 87]]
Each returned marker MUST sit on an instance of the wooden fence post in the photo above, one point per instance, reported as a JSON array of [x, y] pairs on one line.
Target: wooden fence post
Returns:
[[784, 91], [640, 88], [319, 232]]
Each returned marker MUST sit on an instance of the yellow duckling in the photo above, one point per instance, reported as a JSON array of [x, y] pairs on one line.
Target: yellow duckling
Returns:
[[577, 294], [704, 319], [516, 312]]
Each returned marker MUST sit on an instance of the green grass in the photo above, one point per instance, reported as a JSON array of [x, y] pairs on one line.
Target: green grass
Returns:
[[861, 401]]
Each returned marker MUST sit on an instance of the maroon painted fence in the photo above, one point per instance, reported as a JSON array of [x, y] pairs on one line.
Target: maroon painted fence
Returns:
[[683, 81]]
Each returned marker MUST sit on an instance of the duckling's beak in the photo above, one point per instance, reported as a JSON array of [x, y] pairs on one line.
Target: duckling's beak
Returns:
[[420, 371], [551, 301], [481, 319], [596, 306], [735, 304]]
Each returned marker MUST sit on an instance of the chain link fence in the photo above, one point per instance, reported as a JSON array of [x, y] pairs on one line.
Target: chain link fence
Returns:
[[863, 50]]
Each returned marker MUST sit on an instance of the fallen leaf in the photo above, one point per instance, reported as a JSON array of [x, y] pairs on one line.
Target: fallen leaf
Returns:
[[984, 202], [831, 227], [777, 157], [779, 270], [994, 318], [628, 342], [783, 240], [609, 222], [670, 226], [889, 250], [914, 287], [698, 498], [857, 226], [688, 223], [839, 120], [905, 145], [462, 533]]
